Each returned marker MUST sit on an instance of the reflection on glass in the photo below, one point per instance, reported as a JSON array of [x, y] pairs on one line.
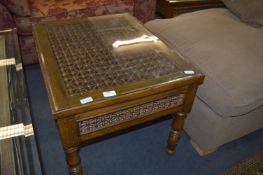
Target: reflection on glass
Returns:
[[143, 38]]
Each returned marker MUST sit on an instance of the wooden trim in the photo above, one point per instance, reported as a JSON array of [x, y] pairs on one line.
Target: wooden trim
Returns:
[[168, 9]]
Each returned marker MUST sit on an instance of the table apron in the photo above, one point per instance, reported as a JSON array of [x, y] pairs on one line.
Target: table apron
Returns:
[[107, 120]]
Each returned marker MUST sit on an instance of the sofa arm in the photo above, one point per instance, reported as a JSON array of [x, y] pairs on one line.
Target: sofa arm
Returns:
[[144, 10], [6, 19]]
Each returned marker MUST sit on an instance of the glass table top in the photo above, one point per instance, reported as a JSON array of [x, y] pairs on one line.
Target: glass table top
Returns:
[[81, 63], [18, 150]]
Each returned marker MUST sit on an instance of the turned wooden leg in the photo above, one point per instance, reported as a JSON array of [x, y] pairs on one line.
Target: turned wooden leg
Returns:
[[175, 132], [168, 12], [73, 160], [69, 136]]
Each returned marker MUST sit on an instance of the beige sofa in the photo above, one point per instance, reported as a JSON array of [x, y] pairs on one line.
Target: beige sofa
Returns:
[[230, 53]]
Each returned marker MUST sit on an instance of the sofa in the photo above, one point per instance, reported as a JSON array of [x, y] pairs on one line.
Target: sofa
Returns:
[[22, 14], [226, 44]]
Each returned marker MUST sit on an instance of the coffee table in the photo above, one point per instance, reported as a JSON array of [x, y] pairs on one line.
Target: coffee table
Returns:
[[96, 89]]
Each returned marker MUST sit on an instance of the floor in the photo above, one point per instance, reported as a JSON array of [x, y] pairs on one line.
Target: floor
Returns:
[[138, 152]]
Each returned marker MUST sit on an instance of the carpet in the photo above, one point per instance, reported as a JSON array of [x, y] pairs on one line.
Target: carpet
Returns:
[[253, 165], [139, 152]]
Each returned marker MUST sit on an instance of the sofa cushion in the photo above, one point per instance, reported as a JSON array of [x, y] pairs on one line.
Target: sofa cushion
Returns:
[[6, 20], [250, 11], [144, 9], [43, 10], [228, 51], [28, 50], [18, 7]]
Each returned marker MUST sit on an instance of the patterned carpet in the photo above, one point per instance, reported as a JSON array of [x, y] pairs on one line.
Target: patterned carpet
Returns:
[[251, 166]]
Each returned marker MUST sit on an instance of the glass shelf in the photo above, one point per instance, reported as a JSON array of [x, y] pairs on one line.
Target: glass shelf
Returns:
[[18, 148]]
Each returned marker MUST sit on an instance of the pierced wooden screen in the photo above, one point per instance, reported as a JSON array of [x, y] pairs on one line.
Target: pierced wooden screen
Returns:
[[87, 61], [106, 120]]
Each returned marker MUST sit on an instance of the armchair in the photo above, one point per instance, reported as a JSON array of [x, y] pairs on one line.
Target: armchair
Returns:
[[23, 14], [226, 44]]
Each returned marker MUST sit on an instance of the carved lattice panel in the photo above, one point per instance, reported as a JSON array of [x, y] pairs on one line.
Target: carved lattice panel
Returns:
[[87, 61], [106, 120]]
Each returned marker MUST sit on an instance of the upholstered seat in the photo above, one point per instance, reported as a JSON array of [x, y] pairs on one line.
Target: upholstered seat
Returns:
[[229, 52], [42, 10], [233, 71]]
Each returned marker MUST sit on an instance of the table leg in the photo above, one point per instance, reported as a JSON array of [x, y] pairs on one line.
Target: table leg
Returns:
[[175, 132], [69, 136], [168, 12], [73, 161]]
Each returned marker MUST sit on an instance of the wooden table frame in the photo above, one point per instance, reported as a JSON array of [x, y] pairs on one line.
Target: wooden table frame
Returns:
[[69, 130], [170, 8], [154, 98]]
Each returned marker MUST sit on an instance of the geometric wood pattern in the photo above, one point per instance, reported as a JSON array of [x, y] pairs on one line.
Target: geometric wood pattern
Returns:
[[106, 120]]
